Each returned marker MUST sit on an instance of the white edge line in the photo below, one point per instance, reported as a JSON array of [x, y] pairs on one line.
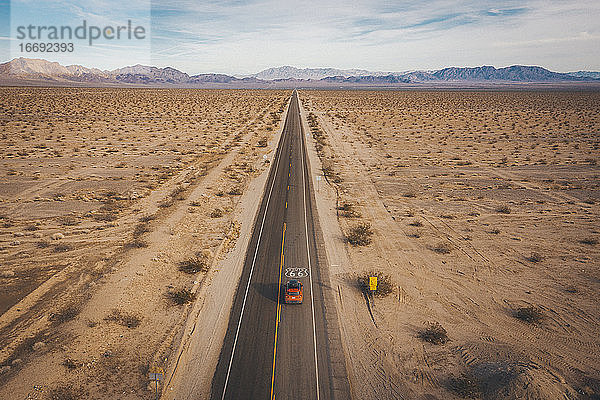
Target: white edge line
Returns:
[[253, 262], [312, 302]]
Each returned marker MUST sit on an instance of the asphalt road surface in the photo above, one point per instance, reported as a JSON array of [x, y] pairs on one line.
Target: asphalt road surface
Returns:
[[274, 350]]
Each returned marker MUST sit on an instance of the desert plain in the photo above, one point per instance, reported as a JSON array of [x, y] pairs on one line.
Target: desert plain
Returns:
[[115, 203], [483, 214], [481, 210]]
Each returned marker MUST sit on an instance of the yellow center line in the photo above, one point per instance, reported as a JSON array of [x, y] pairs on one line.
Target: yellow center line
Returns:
[[278, 314]]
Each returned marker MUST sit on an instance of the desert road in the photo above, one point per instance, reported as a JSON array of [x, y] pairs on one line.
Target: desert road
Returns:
[[274, 350]]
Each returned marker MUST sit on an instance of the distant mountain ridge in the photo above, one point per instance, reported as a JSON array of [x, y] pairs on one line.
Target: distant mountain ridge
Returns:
[[29, 71], [289, 72]]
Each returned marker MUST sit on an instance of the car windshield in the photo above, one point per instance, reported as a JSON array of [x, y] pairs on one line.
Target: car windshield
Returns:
[[295, 285]]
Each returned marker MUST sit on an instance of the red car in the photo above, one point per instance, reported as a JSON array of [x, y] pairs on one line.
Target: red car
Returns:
[[293, 292]]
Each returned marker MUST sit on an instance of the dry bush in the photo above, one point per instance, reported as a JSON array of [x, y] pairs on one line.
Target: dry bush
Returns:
[[147, 218], [32, 227], [69, 220], [216, 213], [178, 193], [262, 142], [442, 248], [360, 234], [590, 240], [62, 247], [64, 393], [385, 285], [503, 209], [140, 229], [182, 296], [70, 364], [235, 191], [416, 223], [105, 217], [166, 203], [131, 321], [42, 244], [137, 244], [465, 386], [65, 314], [535, 258], [529, 314], [434, 333], [196, 203], [194, 265], [348, 210]]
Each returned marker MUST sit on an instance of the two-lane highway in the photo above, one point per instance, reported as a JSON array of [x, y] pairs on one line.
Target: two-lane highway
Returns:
[[274, 350]]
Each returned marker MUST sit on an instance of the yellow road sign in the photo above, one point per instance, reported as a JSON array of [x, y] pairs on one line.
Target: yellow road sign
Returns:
[[373, 282], [156, 374]]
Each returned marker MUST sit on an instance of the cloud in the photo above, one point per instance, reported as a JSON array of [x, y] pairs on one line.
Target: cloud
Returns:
[[242, 36]]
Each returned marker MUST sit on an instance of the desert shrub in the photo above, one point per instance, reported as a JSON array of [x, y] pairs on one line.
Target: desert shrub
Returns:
[[529, 314], [182, 296], [137, 244], [147, 218], [434, 334], [410, 194], [69, 220], [32, 227], [465, 386], [62, 247], [494, 231], [194, 265], [535, 257], [64, 393], [385, 285], [105, 217], [70, 364], [65, 314], [360, 234], [416, 223], [216, 213], [178, 192], [235, 191], [140, 229], [263, 142], [196, 203], [590, 240], [348, 210], [131, 321], [42, 244], [442, 248], [166, 203], [503, 209]]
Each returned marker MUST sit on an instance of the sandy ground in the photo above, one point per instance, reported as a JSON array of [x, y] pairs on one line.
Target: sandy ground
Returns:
[[480, 203], [104, 193]]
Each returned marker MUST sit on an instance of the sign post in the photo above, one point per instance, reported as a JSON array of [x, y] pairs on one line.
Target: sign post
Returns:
[[373, 287], [156, 374], [318, 181]]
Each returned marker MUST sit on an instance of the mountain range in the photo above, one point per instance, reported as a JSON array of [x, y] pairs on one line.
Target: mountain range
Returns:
[[24, 71]]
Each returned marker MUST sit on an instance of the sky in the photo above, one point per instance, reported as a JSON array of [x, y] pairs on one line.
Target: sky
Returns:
[[246, 36]]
